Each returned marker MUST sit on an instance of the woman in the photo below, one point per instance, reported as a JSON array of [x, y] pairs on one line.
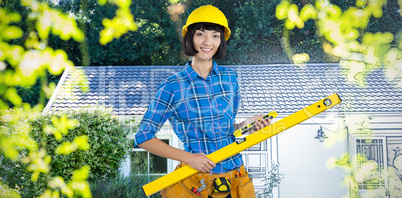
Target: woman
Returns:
[[201, 103]]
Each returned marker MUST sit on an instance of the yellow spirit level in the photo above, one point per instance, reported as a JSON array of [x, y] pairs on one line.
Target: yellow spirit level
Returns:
[[249, 141]]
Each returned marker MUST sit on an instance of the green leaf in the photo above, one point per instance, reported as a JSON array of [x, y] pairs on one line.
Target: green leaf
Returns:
[[11, 32], [344, 161], [12, 95]]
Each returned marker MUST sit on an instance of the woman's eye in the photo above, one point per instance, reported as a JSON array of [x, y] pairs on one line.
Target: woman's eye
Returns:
[[216, 36], [199, 34]]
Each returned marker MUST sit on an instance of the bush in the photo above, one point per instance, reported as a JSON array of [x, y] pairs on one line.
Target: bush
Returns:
[[108, 146], [255, 33], [122, 187]]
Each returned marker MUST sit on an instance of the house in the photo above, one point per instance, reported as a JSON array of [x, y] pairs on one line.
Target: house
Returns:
[[311, 155]]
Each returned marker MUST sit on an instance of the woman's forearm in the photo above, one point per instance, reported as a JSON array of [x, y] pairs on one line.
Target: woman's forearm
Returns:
[[198, 161], [162, 149]]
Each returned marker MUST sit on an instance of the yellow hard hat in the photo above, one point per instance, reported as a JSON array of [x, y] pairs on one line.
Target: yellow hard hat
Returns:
[[207, 14]]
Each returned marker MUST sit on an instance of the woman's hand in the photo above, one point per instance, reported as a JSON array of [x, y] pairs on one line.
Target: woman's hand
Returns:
[[261, 124], [258, 124], [200, 162]]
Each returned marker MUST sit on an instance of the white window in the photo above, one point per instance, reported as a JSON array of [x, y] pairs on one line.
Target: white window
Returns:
[[379, 167], [371, 163], [154, 165]]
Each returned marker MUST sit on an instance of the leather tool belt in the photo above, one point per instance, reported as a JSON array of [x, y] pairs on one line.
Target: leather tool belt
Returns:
[[202, 185]]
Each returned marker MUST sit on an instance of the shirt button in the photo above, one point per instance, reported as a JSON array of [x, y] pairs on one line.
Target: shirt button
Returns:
[[217, 133]]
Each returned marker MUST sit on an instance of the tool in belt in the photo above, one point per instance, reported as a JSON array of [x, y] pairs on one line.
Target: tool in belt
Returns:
[[247, 142], [222, 185], [197, 191]]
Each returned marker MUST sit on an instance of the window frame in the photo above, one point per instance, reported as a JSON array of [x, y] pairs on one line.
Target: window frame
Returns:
[[169, 161], [382, 175]]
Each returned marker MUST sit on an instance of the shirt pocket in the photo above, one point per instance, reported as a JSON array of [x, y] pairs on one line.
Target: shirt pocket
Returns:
[[225, 105], [225, 112]]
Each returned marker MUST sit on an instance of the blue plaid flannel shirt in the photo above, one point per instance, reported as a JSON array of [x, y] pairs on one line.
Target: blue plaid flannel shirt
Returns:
[[200, 110]]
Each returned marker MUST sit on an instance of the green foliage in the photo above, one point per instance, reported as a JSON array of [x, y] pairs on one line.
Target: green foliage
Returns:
[[106, 138], [155, 41], [40, 92], [366, 175], [26, 60], [123, 187], [7, 192], [255, 31], [345, 35], [120, 24]]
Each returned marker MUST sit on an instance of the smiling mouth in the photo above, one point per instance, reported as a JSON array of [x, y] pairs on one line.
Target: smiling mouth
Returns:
[[205, 50]]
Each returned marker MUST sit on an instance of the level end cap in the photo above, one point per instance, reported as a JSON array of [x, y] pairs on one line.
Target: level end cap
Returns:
[[340, 100], [143, 190]]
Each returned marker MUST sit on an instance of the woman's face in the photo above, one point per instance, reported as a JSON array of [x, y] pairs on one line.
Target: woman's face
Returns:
[[206, 42]]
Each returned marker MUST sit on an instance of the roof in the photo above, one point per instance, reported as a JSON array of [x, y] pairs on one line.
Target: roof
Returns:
[[285, 88]]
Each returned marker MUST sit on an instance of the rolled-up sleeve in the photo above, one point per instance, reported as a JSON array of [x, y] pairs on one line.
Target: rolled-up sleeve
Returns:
[[159, 110], [237, 98]]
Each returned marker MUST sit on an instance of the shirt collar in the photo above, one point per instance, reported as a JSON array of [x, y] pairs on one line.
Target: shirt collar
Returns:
[[192, 75]]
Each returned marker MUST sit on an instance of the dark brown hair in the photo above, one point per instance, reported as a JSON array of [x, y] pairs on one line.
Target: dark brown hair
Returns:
[[188, 46]]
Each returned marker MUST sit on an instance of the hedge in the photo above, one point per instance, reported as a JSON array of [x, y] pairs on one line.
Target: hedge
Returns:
[[108, 147]]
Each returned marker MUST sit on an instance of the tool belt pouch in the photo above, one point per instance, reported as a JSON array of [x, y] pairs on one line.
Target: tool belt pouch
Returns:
[[242, 187], [182, 188]]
